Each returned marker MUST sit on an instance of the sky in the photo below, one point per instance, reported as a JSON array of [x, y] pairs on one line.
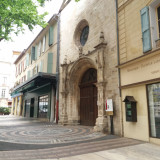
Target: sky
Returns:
[[22, 41]]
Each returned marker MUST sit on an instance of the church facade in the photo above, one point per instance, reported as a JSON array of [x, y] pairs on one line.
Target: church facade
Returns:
[[88, 60]]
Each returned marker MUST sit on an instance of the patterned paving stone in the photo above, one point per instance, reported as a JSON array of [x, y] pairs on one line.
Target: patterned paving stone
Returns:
[[22, 138], [44, 133]]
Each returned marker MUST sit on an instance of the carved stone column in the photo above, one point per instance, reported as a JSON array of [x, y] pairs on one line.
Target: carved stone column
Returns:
[[64, 94], [101, 121]]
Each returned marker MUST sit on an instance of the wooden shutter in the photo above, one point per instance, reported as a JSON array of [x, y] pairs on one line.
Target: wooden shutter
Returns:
[[50, 42], [33, 53], [41, 66], [145, 25], [44, 44], [39, 50], [50, 63], [16, 71], [36, 50], [28, 75], [27, 59]]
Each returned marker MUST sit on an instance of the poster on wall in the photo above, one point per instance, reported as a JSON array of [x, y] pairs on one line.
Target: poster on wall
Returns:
[[109, 107]]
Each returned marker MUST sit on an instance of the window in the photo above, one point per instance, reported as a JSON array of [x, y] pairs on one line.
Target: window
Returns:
[[33, 54], [81, 33], [158, 19], [40, 66], [3, 93], [84, 35], [44, 44], [43, 106], [39, 49], [154, 17], [50, 63], [34, 70], [154, 109], [146, 34], [4, 80], [50, 41]]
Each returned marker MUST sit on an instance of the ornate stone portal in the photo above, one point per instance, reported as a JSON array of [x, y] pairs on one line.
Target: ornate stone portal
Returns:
[[71, 77]]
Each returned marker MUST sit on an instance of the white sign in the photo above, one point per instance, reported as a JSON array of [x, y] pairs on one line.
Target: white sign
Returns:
[[109, 105]]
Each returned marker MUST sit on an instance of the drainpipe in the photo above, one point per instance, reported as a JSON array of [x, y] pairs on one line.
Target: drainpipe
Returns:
[[118, 63], [57, 68]]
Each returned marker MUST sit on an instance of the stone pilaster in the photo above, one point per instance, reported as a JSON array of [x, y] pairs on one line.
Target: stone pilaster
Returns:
[[64, 94], [101, 121], [64, 117]]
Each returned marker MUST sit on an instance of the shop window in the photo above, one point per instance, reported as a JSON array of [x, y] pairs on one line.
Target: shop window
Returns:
[[43, 106], [154, 109]]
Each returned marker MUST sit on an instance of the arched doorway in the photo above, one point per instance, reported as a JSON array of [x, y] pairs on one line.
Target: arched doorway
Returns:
[[88, 98]]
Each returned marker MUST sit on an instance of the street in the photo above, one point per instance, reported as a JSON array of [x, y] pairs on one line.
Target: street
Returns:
[[22, 138]]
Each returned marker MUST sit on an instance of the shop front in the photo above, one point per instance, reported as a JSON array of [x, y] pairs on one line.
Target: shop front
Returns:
[[38, 97], [140, 79]]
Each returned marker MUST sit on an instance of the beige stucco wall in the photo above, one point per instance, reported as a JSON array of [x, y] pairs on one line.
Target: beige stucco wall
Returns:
[[137, 130], [101, 17]]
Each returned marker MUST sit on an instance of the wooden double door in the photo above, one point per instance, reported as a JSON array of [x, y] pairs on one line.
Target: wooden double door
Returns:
[[88, 99]]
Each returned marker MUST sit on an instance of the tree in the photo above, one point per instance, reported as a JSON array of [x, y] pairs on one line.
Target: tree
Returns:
[[15, 14]]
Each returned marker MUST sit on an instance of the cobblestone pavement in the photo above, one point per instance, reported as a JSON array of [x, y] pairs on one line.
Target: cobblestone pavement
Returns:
[[22, 138]]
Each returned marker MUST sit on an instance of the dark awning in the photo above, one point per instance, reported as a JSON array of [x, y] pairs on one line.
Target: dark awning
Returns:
[[36, 81], [129, 99]]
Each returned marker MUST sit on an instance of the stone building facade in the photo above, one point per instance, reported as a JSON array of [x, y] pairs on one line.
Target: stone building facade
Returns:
[[88, 58]]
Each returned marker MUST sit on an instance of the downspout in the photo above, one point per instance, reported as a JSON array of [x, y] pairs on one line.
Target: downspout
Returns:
[[57, 68], [118, 63]]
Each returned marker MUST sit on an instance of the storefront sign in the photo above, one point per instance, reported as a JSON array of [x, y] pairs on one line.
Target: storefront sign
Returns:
[[109, 107], [141, 71]]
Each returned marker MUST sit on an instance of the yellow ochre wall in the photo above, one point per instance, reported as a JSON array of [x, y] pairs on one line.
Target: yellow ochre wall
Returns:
[[130, 35], [137, 130], [137, 69]]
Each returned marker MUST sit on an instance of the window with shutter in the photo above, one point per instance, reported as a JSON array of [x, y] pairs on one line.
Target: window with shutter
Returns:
[[50, 41], [145, 25], [50, 63]]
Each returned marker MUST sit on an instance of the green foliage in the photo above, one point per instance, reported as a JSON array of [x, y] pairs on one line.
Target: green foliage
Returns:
[[15, 14], [4, 110]]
